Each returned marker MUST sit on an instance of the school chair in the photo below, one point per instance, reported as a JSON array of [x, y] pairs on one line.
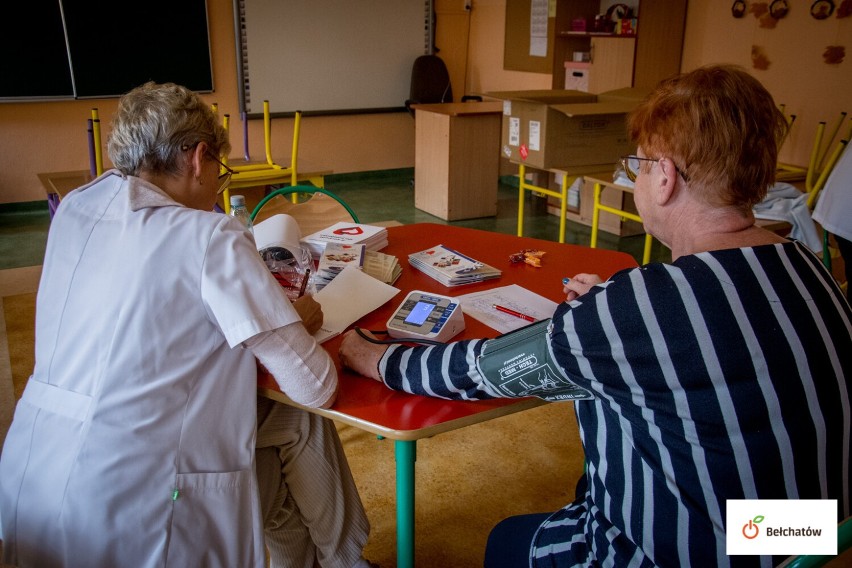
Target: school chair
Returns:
[[788, 172], [599, 185], [322, 210], [844, 543], [266, 172]]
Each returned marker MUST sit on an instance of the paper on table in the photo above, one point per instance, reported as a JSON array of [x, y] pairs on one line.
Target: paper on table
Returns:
[[349, 297], [478, 305]]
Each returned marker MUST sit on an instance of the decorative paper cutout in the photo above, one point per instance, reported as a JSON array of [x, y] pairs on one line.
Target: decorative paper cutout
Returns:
[[821, 9], [834, 54], [778, 9], [759, 9], [759, 58]]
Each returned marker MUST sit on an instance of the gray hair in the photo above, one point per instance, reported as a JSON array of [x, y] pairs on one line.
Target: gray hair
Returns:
[[155, 124]]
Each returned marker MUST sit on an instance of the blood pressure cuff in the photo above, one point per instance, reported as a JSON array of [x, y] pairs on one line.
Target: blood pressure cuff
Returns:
[[520, 363]]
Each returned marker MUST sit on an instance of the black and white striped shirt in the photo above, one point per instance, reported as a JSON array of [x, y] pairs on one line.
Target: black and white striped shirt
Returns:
[[719, 376]]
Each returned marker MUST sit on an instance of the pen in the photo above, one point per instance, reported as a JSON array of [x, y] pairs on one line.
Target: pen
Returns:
[[512, 312], [305, 282]]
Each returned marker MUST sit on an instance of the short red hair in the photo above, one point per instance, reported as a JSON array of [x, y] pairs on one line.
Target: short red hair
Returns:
[[721, 128]]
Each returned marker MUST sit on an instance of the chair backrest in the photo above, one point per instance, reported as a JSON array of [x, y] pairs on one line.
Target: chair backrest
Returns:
[[322, 210], [430, 82]]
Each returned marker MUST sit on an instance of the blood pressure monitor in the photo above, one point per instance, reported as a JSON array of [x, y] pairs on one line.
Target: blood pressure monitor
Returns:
[[425, 315]]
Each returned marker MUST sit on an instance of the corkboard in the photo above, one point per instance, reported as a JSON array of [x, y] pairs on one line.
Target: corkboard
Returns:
[[516, 50]]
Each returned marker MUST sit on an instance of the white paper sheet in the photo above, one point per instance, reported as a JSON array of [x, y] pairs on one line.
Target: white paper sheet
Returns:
[[349, 297], [478, 305]]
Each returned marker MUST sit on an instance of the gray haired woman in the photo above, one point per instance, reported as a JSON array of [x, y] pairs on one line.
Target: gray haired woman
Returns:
[[134, 442]]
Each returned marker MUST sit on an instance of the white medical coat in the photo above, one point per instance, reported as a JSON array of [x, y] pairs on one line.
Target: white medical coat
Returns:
[[834, 203], [133, 443]]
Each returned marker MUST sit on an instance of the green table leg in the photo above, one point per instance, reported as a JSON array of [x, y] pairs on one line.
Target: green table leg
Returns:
[[406, 454]]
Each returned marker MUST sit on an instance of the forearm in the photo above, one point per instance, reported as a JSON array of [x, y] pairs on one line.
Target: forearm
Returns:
[[446, 371], [301, 367]]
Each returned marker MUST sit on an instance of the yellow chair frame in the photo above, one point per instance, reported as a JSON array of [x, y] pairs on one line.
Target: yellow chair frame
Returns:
[[600, 184], [568, 177], [267, 172]]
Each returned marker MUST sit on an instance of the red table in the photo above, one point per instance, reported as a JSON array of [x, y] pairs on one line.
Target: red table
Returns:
[[405, 418]]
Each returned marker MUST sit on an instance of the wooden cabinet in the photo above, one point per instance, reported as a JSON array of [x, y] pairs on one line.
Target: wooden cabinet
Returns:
[[611, 63], [457, 159], [641, 60]]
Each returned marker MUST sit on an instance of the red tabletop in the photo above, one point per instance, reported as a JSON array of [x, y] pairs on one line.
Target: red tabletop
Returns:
[[372, 406]]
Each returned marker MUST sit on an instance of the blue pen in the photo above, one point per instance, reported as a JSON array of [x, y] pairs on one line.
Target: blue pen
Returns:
[[566, 280]]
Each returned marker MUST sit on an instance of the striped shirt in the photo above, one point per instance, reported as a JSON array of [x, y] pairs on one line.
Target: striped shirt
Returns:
[[719, 376]]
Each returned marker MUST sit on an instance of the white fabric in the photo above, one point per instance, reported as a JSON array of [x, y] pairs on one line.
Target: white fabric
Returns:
[[291, 352], [311, 509], [834, 204], [783, 202], [141, 303]]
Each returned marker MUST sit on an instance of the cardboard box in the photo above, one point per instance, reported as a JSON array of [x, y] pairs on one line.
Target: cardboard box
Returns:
[[577, 76], [566, 128]]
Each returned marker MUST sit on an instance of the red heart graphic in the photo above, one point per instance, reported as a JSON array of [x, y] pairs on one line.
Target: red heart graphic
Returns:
[[349, 231]]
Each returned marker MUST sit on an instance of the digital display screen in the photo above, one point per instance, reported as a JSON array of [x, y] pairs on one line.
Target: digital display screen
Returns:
[[419, 313]]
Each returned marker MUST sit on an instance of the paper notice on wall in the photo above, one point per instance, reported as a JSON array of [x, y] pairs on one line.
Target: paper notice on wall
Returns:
[[538, 27]]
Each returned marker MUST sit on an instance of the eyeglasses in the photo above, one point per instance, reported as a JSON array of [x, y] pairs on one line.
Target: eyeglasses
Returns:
[[631, 166], [225, 176]]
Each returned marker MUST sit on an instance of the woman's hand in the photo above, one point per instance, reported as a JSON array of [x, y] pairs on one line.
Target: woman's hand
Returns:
[[579, 285], [360, 355], [311, 313]]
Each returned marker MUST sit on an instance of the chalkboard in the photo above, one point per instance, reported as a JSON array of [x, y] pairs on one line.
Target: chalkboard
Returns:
[[102, 48], [329, 56]]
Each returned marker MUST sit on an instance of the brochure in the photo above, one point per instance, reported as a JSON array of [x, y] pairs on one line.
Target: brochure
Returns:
[[450, 267], [371, 236]]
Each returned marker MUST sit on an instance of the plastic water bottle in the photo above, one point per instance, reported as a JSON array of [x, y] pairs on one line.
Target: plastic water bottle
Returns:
[[239, 210]]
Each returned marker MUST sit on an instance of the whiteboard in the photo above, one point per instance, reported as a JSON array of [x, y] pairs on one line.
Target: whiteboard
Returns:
[[329, 56]]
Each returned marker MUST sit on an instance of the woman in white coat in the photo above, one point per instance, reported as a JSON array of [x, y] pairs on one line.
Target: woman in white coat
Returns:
[[134, 441]]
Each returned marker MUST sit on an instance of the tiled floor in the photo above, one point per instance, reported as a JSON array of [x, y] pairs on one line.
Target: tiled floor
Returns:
[[375, 196]]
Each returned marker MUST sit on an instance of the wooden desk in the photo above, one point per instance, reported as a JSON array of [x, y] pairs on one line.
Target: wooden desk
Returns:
[[457, 159], [57, 184], [405, 418]]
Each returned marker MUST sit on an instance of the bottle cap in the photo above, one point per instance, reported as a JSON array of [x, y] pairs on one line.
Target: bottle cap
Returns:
[[237, 200]]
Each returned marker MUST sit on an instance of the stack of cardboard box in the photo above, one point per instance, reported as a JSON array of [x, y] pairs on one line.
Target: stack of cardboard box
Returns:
[[570, 132]]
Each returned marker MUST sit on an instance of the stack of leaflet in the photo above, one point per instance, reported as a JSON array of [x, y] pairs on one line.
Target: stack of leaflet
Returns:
[[384, 267], [334, 259], [371, 236], [451, 268]]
